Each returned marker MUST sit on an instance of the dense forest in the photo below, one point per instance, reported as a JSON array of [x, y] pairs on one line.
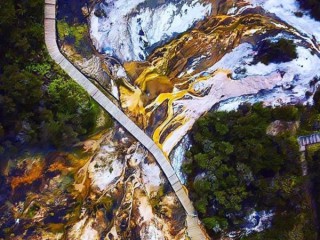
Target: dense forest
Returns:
[[236, 164], [39, 105]]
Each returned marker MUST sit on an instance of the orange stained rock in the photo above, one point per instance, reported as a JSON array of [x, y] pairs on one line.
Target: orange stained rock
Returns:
[[30, 175], [134, 69], [56, 227], [132, 101], [57, 166], [159, 85]]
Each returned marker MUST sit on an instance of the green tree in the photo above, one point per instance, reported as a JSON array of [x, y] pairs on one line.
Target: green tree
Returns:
[[234, 166]]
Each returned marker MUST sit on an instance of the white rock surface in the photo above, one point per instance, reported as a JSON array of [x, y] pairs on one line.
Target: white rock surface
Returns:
[[285, 10], [132, 28], [151, 176], [105, 168], [177, 157], [298, 72], [258, 221]]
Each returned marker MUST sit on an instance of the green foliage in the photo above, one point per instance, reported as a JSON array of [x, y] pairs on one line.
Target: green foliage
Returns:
[[40, 68], [201, 205], [22, 89], [76, 35], [75, 32], [68, 97], [215, 223], [21, 31], [156, 199], [283, 50], [313, 160], [39, 104], [234, 166], [286, 113]]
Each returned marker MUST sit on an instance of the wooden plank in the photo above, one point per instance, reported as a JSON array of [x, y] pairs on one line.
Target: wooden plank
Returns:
[[50, 11], [50, 1]]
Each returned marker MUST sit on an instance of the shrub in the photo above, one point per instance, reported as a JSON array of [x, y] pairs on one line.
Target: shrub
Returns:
[[283, 50]]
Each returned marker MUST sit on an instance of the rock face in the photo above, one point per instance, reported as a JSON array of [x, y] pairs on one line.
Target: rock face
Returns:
[[167, 80], [177, 157], [277, 127], [130, 30], [258, 221], [109, 187]]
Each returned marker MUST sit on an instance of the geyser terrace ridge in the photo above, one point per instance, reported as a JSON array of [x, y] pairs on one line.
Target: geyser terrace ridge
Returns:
[[131, 30], [159, 119]]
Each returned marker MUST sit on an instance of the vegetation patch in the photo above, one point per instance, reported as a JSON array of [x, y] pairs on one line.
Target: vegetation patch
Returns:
[[283, 50], [75, 35], [39, 104], [156, 199], [311, 5], [235, 166]]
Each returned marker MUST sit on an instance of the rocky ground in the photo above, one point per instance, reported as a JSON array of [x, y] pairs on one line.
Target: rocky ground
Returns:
[[165, 63], [107, 187], [166, 81]]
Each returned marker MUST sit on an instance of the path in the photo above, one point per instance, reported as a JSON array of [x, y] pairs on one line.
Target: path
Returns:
[[194, 229], [308, 140], [303, 142]]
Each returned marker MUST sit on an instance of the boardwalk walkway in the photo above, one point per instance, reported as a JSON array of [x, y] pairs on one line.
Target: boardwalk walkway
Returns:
[[304, 141], [194, 229], [308, 140]]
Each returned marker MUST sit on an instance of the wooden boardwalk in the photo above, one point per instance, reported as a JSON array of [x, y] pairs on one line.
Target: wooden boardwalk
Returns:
[[305, 141], [194, 228], [308, 140]]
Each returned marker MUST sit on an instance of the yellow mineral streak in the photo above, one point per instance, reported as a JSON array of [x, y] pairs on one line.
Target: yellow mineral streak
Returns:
[[134, 69], [164, 76], [30, 175], [171, 97]]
